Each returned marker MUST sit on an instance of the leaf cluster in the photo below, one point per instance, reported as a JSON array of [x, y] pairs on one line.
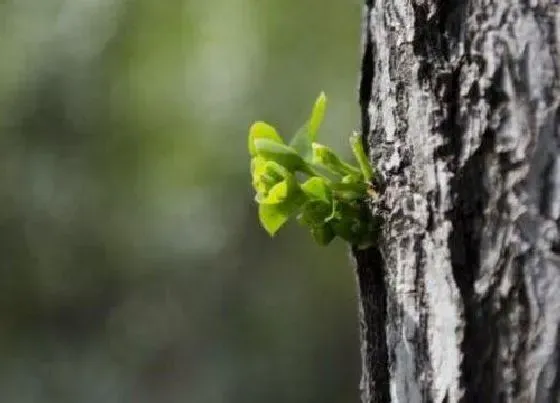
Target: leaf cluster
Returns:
[[329, 201]]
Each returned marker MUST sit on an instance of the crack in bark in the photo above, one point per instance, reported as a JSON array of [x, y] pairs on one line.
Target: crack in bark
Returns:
[[367, 74], [373, 316]]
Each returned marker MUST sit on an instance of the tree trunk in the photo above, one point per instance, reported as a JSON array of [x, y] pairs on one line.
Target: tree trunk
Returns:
[[460, 110]]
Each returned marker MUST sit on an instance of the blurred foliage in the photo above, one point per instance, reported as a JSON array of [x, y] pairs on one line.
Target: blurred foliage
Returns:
[[133, 268]]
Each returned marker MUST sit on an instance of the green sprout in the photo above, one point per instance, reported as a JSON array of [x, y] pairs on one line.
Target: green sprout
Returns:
[[330, 201]]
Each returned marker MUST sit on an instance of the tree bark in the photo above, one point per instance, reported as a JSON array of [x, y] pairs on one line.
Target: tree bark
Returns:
[[460, 111]]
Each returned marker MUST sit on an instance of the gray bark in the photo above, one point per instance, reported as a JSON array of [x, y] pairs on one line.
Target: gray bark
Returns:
[[461, 111]]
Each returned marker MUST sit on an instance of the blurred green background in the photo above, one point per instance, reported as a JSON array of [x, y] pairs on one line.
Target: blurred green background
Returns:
[[133, 268]]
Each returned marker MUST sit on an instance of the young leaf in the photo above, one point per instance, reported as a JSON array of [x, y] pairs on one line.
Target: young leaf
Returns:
[[273, 216], [350, 191], [323, 234], [286, 190], [262, 130], [348, 228], [277, 194], [301, 142], [258, 174], [280, 153], [315, 212], [360, 154], [266, 174], [305, 136], [315, 215], [317, 115], [257, 163], [324, 156], [317, 188]]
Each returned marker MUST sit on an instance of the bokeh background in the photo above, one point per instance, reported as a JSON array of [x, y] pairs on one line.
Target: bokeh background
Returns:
[[132, 266]]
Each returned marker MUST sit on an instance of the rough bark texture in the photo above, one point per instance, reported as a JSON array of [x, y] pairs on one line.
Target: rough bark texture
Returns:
[[373, 316], [460, 103]]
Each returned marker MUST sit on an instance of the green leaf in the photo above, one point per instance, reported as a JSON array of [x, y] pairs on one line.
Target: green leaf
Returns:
[[324, 156], [323, 234], [351, 191], [304, 137], [287, 190], [317, 188], [352, 223], [280, 153], [257, 164], [258, 170], [361, 157], [348, 229], [273, 216], [351, 179], [317, 115], [262, 130], [315, 212], [301, 142], [266, 174], [277, 194]]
